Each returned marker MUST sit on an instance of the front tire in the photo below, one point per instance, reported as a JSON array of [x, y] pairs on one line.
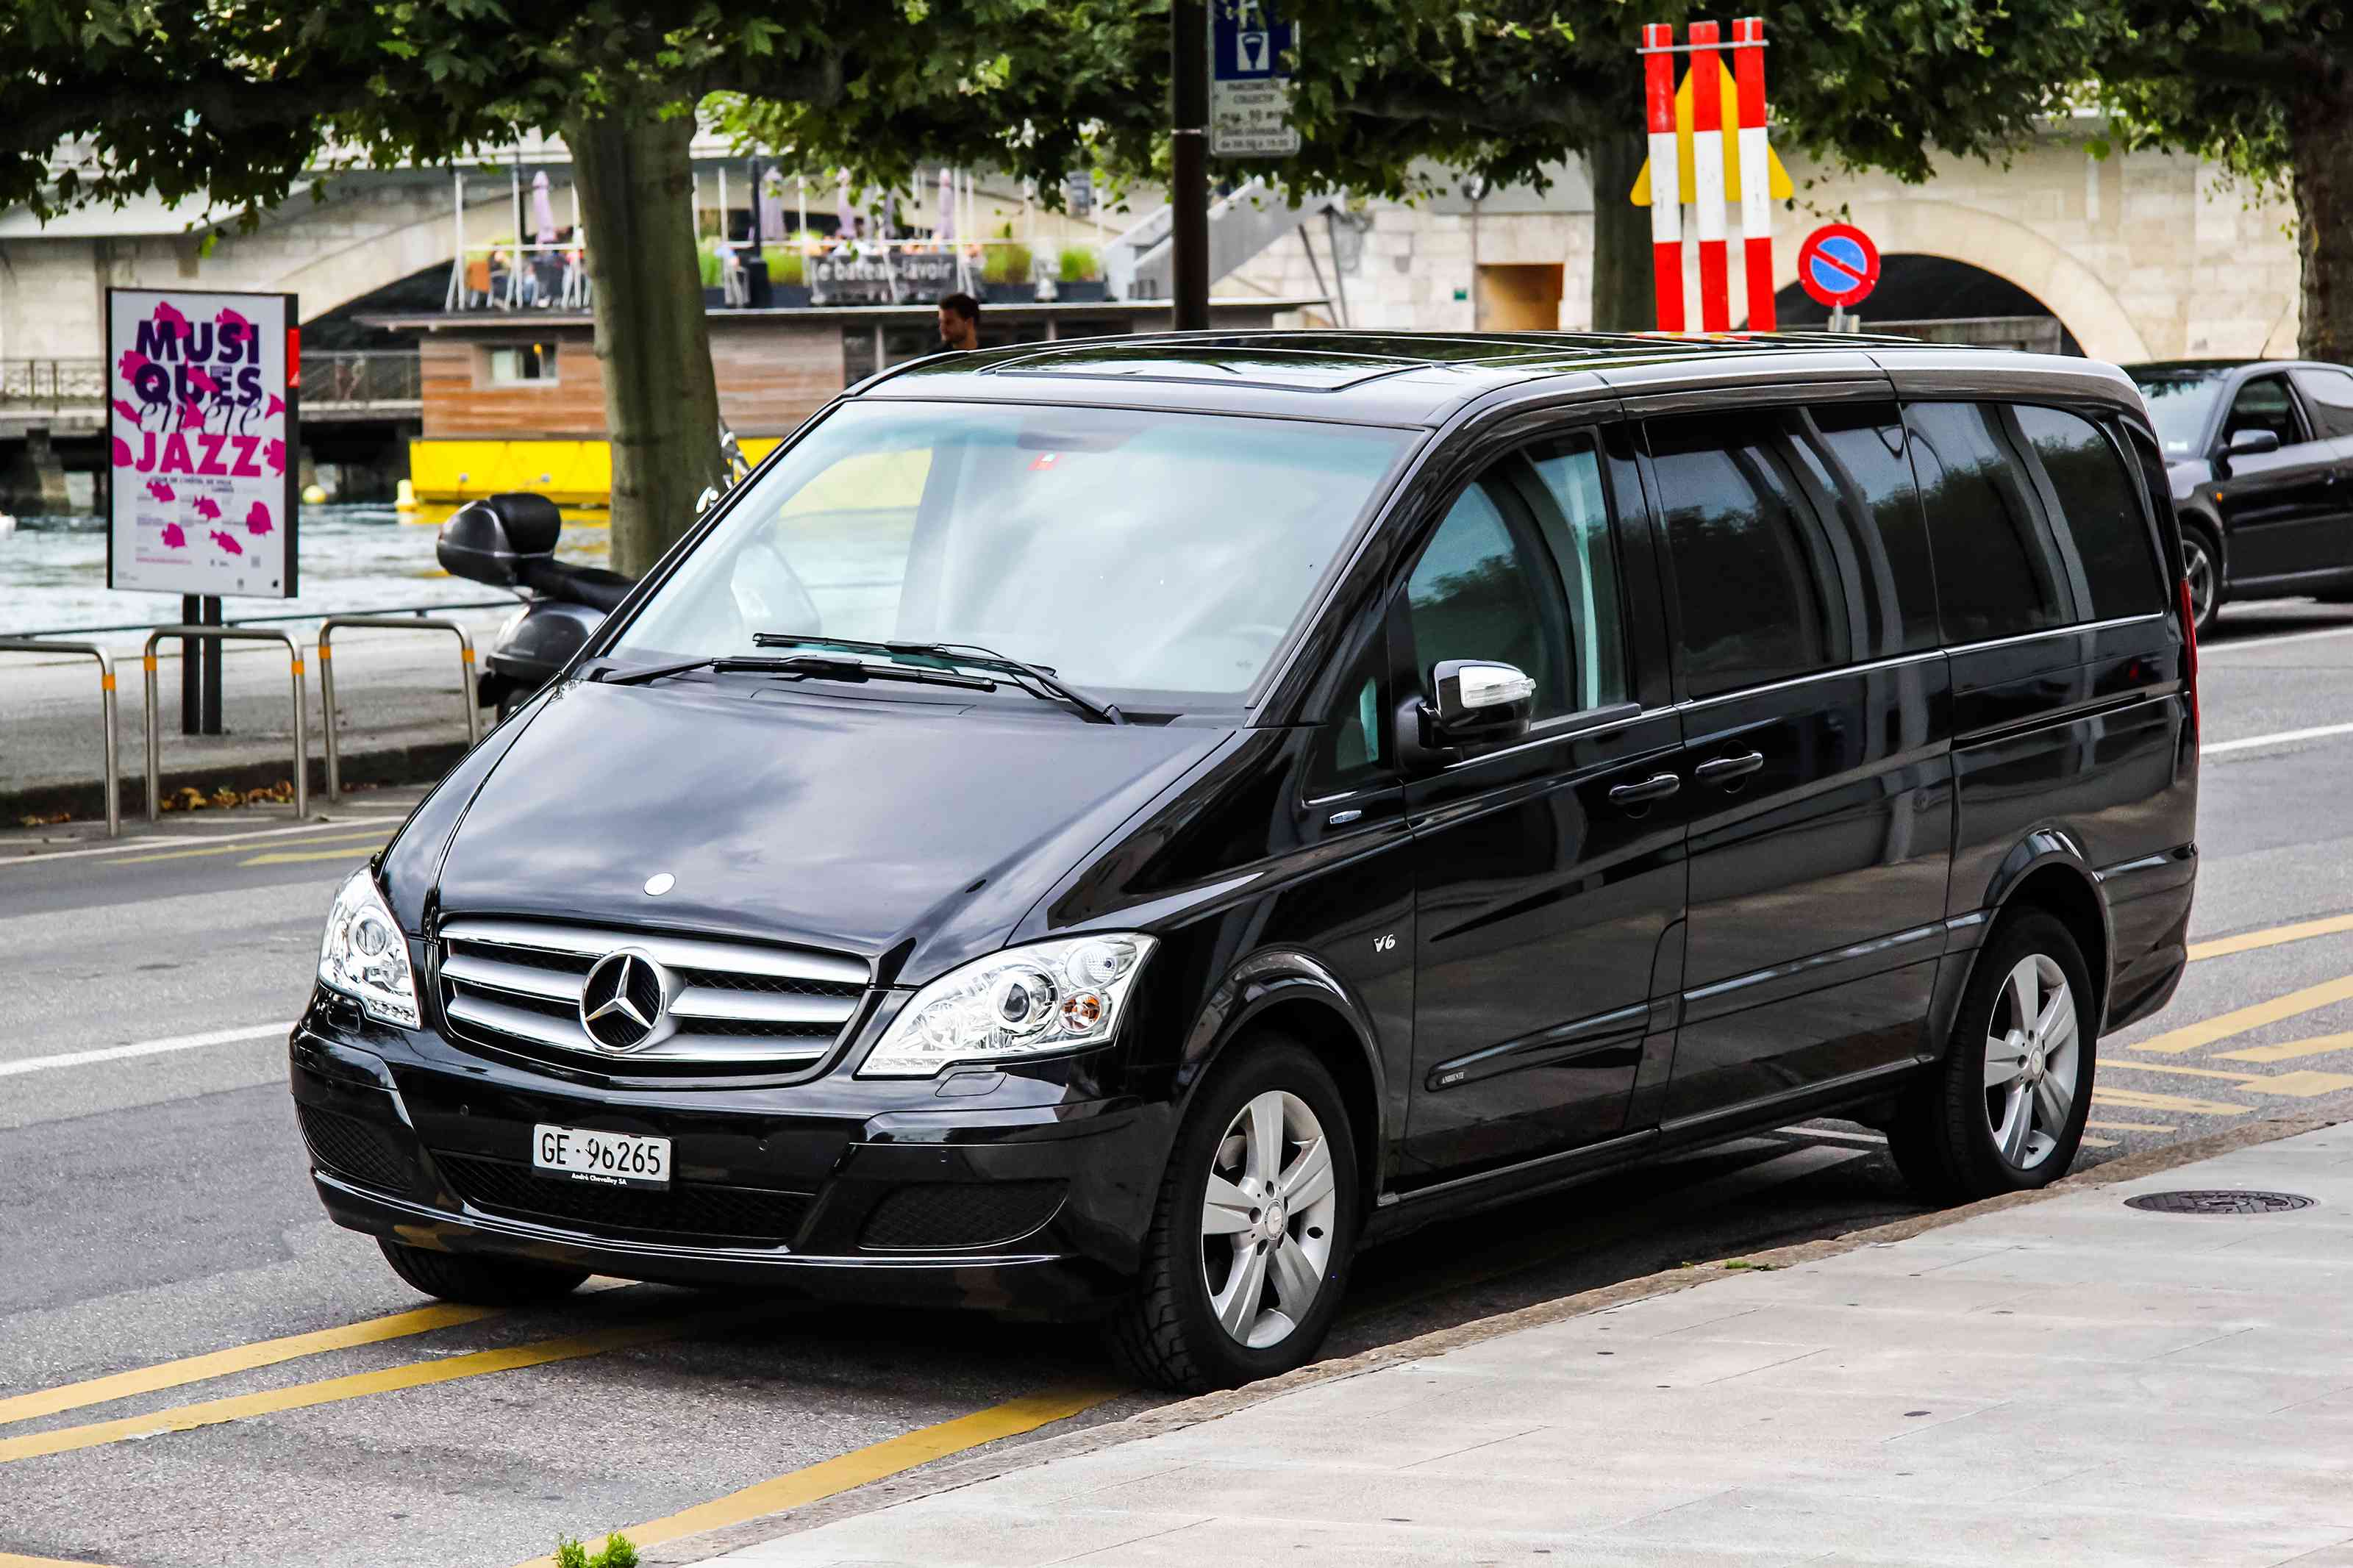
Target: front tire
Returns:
[[479, 1281], [1256, 1224], [2201, 564], [2004, 1111]]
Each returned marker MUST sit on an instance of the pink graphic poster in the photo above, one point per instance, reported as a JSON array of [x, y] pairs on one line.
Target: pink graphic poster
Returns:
[[202, 402]]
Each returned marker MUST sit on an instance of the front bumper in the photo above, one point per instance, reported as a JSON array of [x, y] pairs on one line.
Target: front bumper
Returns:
[[1014, 1194]]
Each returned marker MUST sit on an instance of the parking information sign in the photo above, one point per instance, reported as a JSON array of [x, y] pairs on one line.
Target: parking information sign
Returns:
[[201, 393], [1250, 90]]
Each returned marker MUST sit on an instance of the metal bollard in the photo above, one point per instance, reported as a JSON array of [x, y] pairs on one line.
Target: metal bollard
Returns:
[[227, 634], [397, 624], [107, 710]]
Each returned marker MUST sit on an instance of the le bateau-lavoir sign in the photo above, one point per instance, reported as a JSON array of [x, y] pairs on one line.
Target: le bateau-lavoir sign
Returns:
[[201, 393]]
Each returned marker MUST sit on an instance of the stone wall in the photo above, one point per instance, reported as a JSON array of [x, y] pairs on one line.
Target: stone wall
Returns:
[[2141, 256]]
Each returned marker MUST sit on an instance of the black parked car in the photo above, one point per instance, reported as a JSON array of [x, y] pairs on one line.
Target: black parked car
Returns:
[[1114, 828], [2260, 456]]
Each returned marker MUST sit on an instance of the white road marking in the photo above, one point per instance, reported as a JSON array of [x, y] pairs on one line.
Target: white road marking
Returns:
[[144, 1048], [2279, 739], [125, 845]]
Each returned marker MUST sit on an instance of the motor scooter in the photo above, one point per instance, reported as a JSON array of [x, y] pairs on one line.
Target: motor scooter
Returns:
[[508, 541]]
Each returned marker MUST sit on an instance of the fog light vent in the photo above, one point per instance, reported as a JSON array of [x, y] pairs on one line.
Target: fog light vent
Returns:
[[351, 1149], [957, 1216]]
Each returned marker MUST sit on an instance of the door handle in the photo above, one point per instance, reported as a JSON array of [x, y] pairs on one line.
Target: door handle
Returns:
[[1658, 787], [1723, 770]]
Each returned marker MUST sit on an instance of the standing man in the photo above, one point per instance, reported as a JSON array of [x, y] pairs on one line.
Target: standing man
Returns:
[[960, 323]]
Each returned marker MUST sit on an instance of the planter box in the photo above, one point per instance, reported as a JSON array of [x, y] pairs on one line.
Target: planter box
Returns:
[[1089, 293]]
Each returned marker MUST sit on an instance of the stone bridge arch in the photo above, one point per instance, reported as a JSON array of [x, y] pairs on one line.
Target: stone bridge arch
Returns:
[[2084, 302]]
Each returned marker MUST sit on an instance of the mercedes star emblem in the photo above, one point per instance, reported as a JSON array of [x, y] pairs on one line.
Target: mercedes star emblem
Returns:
[[625, 1002]]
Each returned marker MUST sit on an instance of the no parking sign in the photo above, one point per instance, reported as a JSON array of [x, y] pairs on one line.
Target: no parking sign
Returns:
[[1838, 265]]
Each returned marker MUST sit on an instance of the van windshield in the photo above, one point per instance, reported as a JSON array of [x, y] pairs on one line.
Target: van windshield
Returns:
[[1132, 553]]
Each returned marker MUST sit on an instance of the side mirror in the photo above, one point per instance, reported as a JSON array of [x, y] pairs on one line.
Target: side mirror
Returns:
[[1481, 699], [2248, 443]]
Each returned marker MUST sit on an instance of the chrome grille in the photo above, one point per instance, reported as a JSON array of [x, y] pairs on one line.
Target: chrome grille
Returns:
[[737, 1007]]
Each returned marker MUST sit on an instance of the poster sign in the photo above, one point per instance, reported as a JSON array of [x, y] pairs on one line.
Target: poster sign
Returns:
[[1250, 86], [201, 393]]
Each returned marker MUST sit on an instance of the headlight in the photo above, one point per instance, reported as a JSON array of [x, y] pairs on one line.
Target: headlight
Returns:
[[1040, 1000], [364, 956]]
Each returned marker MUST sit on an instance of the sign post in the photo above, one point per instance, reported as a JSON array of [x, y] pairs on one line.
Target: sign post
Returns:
[[1249, 85], [201, 389], [1838, 265]]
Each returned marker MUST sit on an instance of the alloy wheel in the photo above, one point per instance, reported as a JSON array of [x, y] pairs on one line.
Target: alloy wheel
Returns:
[[2033, 1062], [1267, 1219], [2199, 567]]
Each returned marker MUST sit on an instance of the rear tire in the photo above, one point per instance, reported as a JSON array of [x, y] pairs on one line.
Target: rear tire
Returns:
[[479, 1281], [1256, 1224], [2004, 1111]]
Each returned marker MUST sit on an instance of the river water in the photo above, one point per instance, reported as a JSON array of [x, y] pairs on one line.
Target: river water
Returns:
[[353, 557]]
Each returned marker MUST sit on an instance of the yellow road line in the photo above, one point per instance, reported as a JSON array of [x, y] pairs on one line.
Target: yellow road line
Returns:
[[2318, 1046], [873, 1463], [288, 856], [2099, 1142], [374, 833], [2133, 1099], [13, 1560], [2304, 1084], [2247, 941], [2107, 1062], [238, 1358], [2310, 999], [2131, 1126], [358, 1385]]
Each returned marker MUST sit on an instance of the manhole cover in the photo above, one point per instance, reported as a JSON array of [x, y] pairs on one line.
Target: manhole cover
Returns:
[[2219, 1202]]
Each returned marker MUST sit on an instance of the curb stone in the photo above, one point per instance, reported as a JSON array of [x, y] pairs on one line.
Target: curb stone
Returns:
[[955, 1474], [384, 766]]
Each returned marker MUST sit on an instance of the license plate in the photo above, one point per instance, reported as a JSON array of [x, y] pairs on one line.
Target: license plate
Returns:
[[604, 1159]]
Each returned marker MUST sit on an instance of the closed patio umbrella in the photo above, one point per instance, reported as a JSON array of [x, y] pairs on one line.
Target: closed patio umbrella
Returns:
[[542, 210]]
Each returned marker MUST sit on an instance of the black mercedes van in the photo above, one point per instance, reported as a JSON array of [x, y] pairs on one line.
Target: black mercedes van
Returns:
[[1110, 829]]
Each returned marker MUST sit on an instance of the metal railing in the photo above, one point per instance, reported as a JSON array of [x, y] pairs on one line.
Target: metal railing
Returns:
[[335, 378], [360, 377], [397, 624], [110, 712], [226, 634], [52, 384]]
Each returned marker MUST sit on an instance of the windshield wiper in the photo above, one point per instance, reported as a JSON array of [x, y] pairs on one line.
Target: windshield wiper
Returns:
[[803, 668], [970, 655]]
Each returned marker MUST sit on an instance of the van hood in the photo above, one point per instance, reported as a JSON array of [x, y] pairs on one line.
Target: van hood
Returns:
[[913, 829]]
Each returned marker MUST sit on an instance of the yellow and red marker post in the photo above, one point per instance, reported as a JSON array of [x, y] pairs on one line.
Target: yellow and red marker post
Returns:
[[1709, 145]]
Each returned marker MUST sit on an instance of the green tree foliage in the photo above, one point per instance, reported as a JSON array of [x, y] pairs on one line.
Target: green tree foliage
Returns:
[[2266, 89], [239, 100]]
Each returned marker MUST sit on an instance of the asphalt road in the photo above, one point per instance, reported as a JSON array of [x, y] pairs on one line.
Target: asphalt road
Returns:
[[157, 1211]]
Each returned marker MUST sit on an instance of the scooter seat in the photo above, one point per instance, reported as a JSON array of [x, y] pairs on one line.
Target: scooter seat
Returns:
[[591, 585]]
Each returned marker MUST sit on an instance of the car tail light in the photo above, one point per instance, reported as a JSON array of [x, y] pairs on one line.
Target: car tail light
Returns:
[[2190, 651]]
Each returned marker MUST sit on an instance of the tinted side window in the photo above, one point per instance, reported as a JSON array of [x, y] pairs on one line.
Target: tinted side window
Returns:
[[2264, 403], [2101, 514], [1854, 452], [1574, 517], [1353, 749], [1482, 589], [1757, 585], [1999, 572], [2328, 396]]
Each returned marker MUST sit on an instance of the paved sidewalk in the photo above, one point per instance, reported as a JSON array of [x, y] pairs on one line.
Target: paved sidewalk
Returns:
[[2066, 1382]]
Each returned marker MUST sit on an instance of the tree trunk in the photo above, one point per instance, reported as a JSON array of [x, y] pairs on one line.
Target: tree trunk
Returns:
[[1622, 297], [653, 342], [2321, 138]]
